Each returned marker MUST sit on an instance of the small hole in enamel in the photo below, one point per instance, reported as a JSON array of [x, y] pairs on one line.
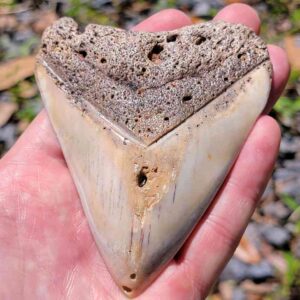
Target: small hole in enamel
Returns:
[[126, 289], [200, 40], [187, 98], [172, 38], [83, 53], [141, 178]]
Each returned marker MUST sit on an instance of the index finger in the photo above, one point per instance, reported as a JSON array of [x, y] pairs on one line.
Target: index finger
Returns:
[[240, 13], [168, 19]]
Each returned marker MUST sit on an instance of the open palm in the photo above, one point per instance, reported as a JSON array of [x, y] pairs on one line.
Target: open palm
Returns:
[[46, 248]]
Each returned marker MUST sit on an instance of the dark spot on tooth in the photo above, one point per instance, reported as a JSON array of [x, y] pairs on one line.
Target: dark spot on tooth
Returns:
[[142, 178], [172, 38], [187, 98], [82, 53], [154, 53], [126, 289], [200, 40]]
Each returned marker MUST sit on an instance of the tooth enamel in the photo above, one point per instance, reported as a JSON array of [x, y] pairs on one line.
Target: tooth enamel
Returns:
[[144, 195]]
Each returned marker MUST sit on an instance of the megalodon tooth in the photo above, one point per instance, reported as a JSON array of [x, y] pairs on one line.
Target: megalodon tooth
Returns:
[[150, 125]]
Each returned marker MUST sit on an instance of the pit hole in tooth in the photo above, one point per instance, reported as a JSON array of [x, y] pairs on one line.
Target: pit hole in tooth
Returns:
[[241, 56], [172, 38], [166, 118], [103, 60], [154, 53], [187, 98], [82, 53], [141, 178], [200, 40], [133, 276], [126, 289]]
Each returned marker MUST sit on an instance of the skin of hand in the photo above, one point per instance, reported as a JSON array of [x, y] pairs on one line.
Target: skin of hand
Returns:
[[46, 248]]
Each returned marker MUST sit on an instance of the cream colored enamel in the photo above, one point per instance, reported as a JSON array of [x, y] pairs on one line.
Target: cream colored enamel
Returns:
[[139, 229]]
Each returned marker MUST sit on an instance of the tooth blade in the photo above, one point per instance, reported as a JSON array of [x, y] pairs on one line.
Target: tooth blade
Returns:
[[143, 202]]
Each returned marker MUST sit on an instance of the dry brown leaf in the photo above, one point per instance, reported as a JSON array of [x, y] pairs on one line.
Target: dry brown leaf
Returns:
[[22, 125], [259, 289], [215, 297], [233, 1], [278, 261], [13, 71], [253, 296], [292, 47], [140, 6], [249, 2], [226, 290], [196, 20], [247, 252], [6, 111], [27, 89], [44, 20], [8, 23]]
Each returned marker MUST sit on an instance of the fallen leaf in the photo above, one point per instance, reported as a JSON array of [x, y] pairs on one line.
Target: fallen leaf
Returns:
[[140, 6], [6, 111], [196, 20], [8, 23], [278, 261], [13, 71], [44, 20], [233, 1], [247, 252], [22, 125], [27, 89], [292, 47], [259, 289], [226, 290], [215, 297]]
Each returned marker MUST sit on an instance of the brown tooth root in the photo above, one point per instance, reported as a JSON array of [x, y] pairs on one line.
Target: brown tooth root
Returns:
[[143, 193], [149, 83]]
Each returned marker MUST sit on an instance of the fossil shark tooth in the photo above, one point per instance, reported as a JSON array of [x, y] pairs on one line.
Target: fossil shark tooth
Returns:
[[150, 124]]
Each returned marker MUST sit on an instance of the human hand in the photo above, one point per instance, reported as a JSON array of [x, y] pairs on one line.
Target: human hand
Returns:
[[46, 248]]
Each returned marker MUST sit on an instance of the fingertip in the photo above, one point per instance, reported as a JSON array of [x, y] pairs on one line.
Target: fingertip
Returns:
[[168, 19], [269, 132], [240, 13], [281, 71]]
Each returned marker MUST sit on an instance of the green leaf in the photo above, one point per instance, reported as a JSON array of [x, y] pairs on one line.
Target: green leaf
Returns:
[[290, 202], [294, 76], [292, 275], [28, 112], [287, 107], [295, 16]]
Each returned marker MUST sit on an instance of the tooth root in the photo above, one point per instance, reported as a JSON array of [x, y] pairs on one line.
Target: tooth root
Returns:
[[142, 202]]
